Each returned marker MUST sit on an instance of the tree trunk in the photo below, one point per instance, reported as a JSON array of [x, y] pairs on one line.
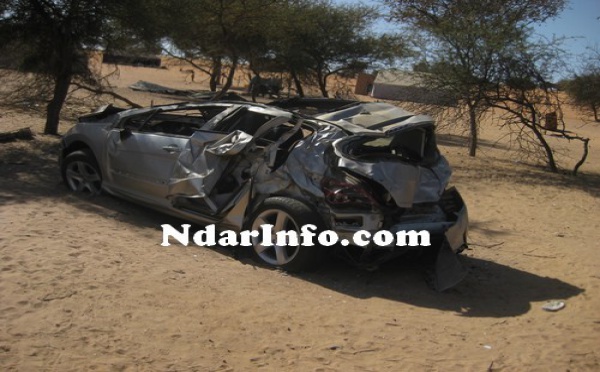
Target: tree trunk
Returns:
[[595, 110], [322, 84], [61, 89], [472, 130], [215, 73], [62, 72], [586, 142], [297, 83], [538, 134], [255, 84], [229, 80]]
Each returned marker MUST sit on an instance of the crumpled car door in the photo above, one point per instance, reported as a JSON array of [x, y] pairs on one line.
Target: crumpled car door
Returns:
[[213, 169], [202, 165]]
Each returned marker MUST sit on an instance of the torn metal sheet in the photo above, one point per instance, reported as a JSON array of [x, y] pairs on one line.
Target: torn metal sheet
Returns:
[[456, 235], [369, 115], [145, 86], [448, 270], [229, 145], [306, 164], [196, 95], [433, 180], [400, 180], [201, 165], [407, 183]]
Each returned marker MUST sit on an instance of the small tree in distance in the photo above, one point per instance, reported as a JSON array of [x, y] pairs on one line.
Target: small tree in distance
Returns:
[[528, 104], [584, 87]]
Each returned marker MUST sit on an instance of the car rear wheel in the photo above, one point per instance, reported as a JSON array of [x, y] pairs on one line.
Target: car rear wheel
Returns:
[[285, 214], [81, 174]]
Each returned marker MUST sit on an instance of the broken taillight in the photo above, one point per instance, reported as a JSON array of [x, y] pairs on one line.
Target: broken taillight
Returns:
[[347, 193]]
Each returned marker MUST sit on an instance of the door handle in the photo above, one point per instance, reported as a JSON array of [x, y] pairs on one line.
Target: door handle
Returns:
[[171, 148]]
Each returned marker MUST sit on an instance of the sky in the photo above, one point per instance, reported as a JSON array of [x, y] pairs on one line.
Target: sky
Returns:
[[579, 23]]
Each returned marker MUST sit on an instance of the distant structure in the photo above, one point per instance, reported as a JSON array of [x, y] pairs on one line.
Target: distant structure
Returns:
[[364, 84], [407, 86], [132, 60]]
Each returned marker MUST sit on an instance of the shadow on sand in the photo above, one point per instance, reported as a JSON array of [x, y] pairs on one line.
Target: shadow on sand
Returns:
[[489, 290], [454, 140]]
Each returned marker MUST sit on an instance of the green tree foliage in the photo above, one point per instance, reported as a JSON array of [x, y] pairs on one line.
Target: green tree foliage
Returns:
[[136, 28], [585, 92], [220, 31], [307, 38], [466, 39], [322, 39], [51, 37], [338, 40], [584, 87]]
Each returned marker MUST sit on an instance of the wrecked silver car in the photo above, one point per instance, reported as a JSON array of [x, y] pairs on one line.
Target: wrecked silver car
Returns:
[[364, 166]]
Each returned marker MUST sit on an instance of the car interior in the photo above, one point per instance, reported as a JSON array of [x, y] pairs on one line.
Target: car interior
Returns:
[[179, 123]]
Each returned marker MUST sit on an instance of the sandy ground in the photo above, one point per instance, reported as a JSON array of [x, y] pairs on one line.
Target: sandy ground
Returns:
[[85, 284]]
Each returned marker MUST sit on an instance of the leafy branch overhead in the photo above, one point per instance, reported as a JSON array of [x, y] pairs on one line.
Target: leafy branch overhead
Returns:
[[50, 38], [309, 39]]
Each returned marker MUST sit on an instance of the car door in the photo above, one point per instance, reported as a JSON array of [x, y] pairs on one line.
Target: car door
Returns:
[[140, 163]]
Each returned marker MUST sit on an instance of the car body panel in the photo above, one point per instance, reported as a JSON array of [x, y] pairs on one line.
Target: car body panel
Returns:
[[142, 161]]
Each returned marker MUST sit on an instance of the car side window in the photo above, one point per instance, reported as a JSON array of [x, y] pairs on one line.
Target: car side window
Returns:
[[244, 120], [182, 122], [172, 125], [134, 123]]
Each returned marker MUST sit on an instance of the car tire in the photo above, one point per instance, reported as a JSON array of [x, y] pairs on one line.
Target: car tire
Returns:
[[286, 214], [81, 174]]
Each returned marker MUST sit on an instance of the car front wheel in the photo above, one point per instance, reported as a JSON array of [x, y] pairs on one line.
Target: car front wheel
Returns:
[[285, 214], [81, 174]]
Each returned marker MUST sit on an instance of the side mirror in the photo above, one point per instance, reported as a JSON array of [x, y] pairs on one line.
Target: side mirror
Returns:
[[125, 133]]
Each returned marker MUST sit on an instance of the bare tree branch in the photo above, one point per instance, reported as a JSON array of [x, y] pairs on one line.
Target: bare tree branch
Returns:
[[102, 91]]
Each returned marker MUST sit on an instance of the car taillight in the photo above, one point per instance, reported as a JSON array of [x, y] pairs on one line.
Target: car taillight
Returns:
[[347, 193]]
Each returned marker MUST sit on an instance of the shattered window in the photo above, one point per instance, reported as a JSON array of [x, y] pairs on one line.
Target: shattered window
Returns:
[[136, 122], [244, 120], [407, 145], [179, 122]]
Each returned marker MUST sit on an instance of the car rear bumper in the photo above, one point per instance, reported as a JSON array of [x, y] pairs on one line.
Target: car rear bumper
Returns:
[[449, 222]]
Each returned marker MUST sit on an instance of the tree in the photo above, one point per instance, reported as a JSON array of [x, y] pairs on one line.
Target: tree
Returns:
[[53, 36], [465, 39], [528, 103], [217, 31], [584, 87], [320, 39], [310, 39]]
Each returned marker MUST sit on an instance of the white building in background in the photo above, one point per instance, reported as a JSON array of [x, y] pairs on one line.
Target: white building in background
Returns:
[[407, 86]]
